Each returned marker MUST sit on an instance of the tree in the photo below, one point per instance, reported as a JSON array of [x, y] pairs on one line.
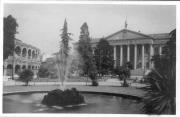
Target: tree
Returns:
[[65, 36], [124, 73], [62, 56], [85, 51], [161, 88], [43, 72], [103, 57], [26, 76], [10, 29]]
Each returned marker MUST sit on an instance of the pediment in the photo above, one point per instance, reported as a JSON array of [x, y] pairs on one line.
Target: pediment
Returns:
[[127, 34]]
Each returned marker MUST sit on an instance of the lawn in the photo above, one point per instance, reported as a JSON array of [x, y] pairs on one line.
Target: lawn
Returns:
[[72, 79]]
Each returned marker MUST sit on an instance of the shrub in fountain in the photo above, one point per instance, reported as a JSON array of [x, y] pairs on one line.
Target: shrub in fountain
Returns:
[[58, 97]]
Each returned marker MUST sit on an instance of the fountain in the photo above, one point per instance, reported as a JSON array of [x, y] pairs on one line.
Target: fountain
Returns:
[[60, 96]]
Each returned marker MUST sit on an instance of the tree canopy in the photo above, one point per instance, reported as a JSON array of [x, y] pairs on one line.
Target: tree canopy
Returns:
[[26, 76], [10, 29], [104, 57], [85, 51], [65, 38]]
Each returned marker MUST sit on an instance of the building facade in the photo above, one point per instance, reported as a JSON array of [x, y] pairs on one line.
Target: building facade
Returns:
[[135, 47], [25, 57]]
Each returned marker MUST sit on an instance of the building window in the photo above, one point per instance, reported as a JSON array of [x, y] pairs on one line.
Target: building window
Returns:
[[29, 53], [18, 50], [24, 52], [17, 69], [23, 67], [156, 50], [33, 54], [9, 70], [29, 67]]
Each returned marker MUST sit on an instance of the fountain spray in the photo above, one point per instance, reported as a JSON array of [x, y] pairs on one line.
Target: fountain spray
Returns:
[[62, 57]]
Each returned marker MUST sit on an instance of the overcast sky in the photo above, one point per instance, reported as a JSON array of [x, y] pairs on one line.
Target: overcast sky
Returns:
[[40, 24]]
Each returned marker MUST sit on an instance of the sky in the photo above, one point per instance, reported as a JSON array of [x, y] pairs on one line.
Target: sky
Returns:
[[40, 24]]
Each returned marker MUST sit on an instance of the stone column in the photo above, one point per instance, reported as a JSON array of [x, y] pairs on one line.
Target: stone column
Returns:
[[121, 55], [160, 50], [21, 52], [128, 53], [135, 56], [143, 56], [93, 50], [151, 54], [114, 56], [5, 70], [13, 70]]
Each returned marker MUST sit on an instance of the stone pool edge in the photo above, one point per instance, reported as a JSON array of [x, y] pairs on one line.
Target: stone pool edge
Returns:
[[89, 92]]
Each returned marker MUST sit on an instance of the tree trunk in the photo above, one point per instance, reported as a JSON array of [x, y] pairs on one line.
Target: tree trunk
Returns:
[[125, 84], [86, 80], [27, 83]]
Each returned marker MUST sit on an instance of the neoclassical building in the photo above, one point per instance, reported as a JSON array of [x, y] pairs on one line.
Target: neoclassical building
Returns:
[[25, 57], [135, 47]]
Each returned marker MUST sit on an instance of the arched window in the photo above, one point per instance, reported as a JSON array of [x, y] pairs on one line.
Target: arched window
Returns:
[[9, 70], [29, 53], [29, 66], [24, 52], [17, 69], [33, 54], [18, 50], [23, 67], [9, 66]]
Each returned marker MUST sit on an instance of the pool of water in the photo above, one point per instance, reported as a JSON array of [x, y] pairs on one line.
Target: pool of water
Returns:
[[95, 103]]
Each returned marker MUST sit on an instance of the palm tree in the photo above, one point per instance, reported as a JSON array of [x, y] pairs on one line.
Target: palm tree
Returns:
[[161, 88]]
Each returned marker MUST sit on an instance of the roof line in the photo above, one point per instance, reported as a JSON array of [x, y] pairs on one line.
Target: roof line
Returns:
[[129, 31]]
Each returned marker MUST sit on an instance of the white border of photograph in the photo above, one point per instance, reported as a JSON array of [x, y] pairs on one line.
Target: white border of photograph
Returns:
[[177, 3]]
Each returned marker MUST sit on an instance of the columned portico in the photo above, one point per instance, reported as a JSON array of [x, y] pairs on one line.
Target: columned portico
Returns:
[[136, 48], [136, 57]]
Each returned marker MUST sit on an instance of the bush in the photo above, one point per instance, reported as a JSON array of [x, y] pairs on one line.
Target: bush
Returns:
[[93, 78], [43, 72], [124, 72], [58, 97], [26, 76], [95, 83], [120, 71]]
